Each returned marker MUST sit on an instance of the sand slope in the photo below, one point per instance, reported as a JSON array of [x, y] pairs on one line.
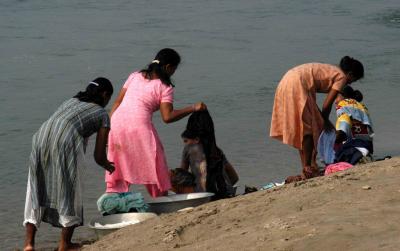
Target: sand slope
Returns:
[[358, 209]]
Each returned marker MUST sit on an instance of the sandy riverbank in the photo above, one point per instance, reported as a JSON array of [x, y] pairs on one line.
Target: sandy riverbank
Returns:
[[353, 210]]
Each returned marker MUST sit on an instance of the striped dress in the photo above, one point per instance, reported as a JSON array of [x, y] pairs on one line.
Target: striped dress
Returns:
[[53, 190]]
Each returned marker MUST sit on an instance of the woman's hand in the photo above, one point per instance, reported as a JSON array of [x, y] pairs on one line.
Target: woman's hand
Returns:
[[169, 114], [199, 106], [328, 126], [326, 109], [109, 166], [100, 152]]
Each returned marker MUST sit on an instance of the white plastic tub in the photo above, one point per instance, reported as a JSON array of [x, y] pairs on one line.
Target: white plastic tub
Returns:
[[175, 202], [107, 224]]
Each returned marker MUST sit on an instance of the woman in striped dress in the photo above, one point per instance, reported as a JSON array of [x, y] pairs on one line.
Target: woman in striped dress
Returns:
[[57, 158]]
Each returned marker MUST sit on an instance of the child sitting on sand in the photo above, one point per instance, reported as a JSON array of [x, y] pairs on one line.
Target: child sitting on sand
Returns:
[[354, 133], [351, 143], [353, 120], [211, 170]]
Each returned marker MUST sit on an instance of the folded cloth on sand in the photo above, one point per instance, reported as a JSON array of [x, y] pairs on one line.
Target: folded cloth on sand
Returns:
[[350, 151], [340, 166], [112, 203]]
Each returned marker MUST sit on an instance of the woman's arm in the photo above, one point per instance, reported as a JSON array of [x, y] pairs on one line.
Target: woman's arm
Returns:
[[118, 101], [327, 107], [100, 153], [170, 115]]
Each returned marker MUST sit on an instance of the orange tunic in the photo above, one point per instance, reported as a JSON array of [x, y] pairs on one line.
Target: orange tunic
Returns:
[[295, 112]]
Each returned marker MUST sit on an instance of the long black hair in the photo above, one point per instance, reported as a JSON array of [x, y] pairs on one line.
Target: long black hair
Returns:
[[200, 125], [95, 90], [164, 57], [352, 66], [349, 92]]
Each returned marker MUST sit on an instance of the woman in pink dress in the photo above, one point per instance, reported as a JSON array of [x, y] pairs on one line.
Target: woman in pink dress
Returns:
[[296, 118], [134, 145]]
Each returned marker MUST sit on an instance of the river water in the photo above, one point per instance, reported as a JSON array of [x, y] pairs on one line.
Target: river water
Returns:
[[234, 54]]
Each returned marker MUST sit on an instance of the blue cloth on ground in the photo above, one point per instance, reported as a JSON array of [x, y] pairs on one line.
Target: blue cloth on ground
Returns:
[[112, 203], [325, 146], [271, 185]]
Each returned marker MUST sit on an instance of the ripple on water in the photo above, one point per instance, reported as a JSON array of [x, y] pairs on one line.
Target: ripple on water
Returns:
[[389, 18]]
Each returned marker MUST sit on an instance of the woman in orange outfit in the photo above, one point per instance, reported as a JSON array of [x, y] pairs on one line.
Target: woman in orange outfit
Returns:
[[296, 118]]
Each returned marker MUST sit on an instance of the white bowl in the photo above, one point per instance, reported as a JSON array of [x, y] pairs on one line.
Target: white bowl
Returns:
[[175, 202], [107, 224]]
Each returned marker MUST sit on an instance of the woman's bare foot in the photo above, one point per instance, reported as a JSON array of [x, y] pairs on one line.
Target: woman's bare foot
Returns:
[[292, 179], [310, 172], [65, 240], [30, 237], [29, 247], [70, 247]]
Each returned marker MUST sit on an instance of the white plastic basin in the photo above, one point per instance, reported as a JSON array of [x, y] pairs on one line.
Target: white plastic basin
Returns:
[[107, 224], [175, 202]]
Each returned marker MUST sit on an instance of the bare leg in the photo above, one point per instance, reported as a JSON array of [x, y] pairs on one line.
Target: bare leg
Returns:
[[308, 148], [30, 237], [314, 163], [66, 237], [309, 157], [301, 152]]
